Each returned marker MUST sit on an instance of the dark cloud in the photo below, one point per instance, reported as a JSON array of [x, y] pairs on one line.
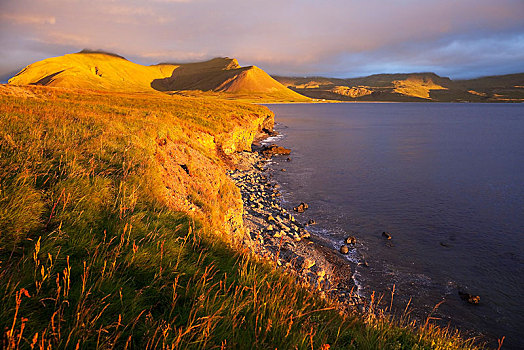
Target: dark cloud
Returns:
[[337, 37]]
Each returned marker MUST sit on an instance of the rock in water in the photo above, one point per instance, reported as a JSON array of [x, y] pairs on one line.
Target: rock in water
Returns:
[[301, 207], [271, 150], [344, 249], [351, 240], [472, 299], [363, 263]]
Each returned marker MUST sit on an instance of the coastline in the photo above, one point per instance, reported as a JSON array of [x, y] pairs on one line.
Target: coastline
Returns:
[[188, 252], [273, 233], [304, 179]]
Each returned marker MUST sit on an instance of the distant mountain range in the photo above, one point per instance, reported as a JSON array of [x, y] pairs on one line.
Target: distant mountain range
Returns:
[[410, 87], [222, 77], [225, 78]]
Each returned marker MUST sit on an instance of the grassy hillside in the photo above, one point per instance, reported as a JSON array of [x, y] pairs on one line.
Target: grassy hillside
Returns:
[[119, 229], [96, 71], [411, 87], [223, 77]]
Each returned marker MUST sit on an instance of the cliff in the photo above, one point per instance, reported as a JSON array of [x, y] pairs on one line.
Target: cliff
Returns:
[[194, 175], [187, 143]]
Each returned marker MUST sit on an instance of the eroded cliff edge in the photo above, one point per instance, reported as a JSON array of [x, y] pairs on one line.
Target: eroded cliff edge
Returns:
[[195, 175]]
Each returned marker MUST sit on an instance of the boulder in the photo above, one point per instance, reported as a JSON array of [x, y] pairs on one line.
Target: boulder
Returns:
[[301, 207], [271, 150], [305, 234], [351, 240], [472, 299], [363, 263], [344, 249]]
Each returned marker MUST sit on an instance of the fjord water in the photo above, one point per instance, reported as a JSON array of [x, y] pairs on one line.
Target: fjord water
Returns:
[[446, 180]]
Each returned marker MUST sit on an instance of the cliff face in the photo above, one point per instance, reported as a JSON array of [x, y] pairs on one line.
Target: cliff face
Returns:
[[156, 151], [241, 137], [195, 178]]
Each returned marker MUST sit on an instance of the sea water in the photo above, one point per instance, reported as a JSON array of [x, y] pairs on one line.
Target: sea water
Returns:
[[445, 180]]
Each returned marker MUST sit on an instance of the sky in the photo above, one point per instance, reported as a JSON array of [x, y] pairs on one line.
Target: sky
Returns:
[[336, 38]]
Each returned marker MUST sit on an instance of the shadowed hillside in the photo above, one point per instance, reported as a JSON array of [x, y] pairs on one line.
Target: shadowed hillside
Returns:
[[410, 87], [225, 75], [94, 70]]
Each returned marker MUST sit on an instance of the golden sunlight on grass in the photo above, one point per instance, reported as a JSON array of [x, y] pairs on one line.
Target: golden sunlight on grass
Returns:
[[416, 87], [119, 229], [96, 71]]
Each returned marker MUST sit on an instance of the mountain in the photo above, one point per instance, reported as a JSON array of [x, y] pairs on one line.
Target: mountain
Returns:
[[92, 70], [410, 87], [225, 78], [95, 70], [225, 75]]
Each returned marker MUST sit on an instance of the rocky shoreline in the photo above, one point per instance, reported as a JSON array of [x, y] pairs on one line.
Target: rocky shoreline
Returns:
[[276, 235]]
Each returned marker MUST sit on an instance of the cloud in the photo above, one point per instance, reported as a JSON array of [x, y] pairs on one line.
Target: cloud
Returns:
[[61, 38], [336, 37], [27, 19], [173, 1], [125, 10], [167, 56]]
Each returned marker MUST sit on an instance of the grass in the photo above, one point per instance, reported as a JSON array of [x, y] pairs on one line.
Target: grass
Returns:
[[107, 241]]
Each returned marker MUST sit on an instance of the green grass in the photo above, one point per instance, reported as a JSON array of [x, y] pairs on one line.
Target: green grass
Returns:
[[96, 253]]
